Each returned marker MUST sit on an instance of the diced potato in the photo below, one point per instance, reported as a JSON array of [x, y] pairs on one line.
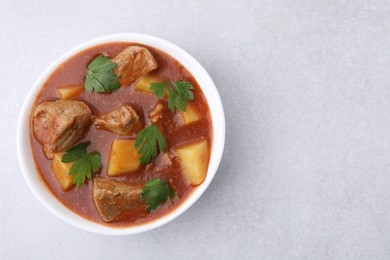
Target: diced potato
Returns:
[[194, 159], [144, 83], [124, 158], [70, 91], [61, 171], [191, 114]]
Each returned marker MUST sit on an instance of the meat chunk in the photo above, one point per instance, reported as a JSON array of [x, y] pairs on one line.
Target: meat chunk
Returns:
[[116, 200], [58, 125], [133, 63], [121, 121], [156, 113], [163, 162]]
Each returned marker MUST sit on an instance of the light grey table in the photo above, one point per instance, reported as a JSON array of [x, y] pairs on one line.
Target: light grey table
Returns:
[[306, 91]]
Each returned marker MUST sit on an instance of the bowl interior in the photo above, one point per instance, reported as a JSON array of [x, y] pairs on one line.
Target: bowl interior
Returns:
[[38, 186]]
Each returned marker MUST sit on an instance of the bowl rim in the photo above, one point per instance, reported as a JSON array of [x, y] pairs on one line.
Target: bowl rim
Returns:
[[53, 204]]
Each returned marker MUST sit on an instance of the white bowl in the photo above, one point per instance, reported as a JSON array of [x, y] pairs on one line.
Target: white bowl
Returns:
[[38, 186]]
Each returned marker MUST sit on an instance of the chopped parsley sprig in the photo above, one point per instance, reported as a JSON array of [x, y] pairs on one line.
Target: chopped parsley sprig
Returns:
[[159, 88], [100, 75], [157, 192], [147, 139], [85, 164], [178, 95]]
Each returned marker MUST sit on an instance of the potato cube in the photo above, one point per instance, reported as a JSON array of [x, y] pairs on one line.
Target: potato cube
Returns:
[[124, 158], [144, 83], [61, 171], [70, 91], [194, 160], [191, 114]]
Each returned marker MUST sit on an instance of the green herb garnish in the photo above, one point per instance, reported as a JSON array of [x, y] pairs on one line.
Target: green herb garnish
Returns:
[[100, 75], [86, 164], [178, 95], [157, 192], [148, 139], [159, 88]]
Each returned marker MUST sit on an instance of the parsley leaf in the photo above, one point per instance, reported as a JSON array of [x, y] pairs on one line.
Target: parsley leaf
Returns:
[[184, 88], [178, 95], [182, 95], [148, 139], [86, 164], [159, 88], [172, 99], [100, 75], [157, 192], [75, 152]]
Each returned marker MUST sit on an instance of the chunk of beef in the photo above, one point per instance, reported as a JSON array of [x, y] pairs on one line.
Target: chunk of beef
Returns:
[[121, 121], [58, 125], [156, 113], [133, 63], [116, 200], [163, 162]]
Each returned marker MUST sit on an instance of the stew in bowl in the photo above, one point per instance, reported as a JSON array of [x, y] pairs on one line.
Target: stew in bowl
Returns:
[[122, 133]]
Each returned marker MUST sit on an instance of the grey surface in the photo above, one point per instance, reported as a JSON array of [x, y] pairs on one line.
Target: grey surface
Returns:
[[305, 87]]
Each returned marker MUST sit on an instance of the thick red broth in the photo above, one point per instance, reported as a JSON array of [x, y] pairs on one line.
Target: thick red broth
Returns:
[[72, 72]]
